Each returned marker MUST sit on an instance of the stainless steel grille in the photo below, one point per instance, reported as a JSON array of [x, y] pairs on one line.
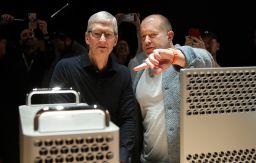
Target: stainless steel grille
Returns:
[[221, 91], [218, 115], [234, 156], [74, 148], [66, 133], [99, 145]]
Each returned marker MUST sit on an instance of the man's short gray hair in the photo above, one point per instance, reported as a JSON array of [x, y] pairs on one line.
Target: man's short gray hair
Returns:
[[102, 16]]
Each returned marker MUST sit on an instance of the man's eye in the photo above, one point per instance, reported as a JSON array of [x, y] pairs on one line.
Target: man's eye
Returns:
[[152, 35], [97, 34], [107, 35]]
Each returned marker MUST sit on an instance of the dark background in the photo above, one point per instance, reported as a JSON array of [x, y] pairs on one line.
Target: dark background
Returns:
[[234, 23]]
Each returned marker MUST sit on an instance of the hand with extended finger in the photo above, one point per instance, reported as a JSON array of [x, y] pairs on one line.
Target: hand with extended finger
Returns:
[[160, 60], [6, 18]]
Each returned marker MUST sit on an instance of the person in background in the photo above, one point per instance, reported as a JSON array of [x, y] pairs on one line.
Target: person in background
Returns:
[[135, 61], [128, 44], [35, 55], [100, 80], [12, 86], [157, 88], [206, 40], [138, 56], [10, 27], [64, 46], [37, 61], [212, 44]]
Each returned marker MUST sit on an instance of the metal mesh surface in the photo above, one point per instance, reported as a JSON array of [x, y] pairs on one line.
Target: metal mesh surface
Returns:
[[93, 145], [94, 148], [218, 115], [221, 91]]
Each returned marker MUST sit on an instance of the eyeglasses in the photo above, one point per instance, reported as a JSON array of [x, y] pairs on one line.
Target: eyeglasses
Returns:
[[98, 34]]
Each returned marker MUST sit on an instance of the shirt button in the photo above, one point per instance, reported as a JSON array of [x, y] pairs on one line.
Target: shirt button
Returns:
[[171, 129], [169, 108]]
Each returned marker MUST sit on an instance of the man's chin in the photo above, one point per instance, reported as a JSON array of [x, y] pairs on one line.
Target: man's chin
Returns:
[[149, 51], [103, 50]]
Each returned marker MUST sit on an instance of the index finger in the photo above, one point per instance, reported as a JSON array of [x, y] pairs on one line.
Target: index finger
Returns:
[[140, 67]]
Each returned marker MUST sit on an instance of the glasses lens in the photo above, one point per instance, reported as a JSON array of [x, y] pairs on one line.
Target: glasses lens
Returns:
[[107, 35]]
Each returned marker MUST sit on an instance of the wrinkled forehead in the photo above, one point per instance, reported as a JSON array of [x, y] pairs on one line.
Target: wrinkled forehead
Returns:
[[151, 24], [102, 25]]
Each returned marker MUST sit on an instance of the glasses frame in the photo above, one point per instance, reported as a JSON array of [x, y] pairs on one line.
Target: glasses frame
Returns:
[[107, 36]]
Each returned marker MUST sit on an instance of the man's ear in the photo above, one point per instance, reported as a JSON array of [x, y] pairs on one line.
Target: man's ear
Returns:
[[116, 39], [86, 38], [170, 35]]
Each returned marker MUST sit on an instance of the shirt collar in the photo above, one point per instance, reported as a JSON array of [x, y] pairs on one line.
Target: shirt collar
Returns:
[[111, 65]]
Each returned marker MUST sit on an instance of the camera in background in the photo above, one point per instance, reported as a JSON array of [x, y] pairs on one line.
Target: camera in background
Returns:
[[128, 17], [195, 32], [32, 21]]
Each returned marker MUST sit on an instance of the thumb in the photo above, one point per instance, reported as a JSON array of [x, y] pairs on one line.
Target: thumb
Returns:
[[140, 67]]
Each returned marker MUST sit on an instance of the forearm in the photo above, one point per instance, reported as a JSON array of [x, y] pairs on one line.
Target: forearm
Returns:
[[195, 57], [178, 58]]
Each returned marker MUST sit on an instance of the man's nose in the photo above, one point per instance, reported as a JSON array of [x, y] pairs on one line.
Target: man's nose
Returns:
[[102, 37], [147, 39]]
